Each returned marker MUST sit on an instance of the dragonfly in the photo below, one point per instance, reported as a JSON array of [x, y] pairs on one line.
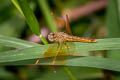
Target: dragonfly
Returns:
[[63, 48]]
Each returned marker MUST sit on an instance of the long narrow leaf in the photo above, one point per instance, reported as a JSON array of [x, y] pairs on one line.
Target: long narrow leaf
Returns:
[[15, 43], [36, 52], [46, 12], [113, 22], [94, 62], [15, 2], [31, 19]]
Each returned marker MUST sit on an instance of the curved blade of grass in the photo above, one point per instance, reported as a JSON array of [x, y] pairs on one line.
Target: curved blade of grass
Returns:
[[15, 2], [31, 19], [36, 52], [118, 10], [113, 19], [22, 54], [94, 62], [16, 43], [46, 12], [102, 44]]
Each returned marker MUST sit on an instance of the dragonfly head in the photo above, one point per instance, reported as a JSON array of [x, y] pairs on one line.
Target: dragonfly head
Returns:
[[51, 37], [57, 37]]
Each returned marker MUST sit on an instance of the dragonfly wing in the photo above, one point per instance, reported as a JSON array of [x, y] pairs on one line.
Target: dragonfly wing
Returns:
[[70, 47], [67, 27], [61, 54], [65, 50], [51, 51], [60, 51]]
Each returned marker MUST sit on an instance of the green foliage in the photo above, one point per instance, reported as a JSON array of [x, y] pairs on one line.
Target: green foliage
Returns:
[[30, 17], [15, 51], [113, 22], [16, 43], [24, 8], [47, 14], [36, 51]]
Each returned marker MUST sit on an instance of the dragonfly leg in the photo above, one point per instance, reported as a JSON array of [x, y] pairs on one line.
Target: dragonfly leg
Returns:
[[37, 61], [59, 47], [67, 49]]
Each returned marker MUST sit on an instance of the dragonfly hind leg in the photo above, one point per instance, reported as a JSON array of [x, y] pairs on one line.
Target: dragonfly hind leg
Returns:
[[37, 61]]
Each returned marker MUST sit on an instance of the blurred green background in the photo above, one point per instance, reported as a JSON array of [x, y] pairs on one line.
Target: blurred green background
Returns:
[[98, 23]]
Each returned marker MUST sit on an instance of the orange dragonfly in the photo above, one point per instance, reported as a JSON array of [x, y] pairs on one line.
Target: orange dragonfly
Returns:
[[61, 50]]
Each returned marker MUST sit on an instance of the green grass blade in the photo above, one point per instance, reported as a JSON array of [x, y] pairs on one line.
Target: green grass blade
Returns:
[[15, 2], [14, 56], [102, 44], [22, 54], [31, 19], [47, 14], [36, 52], [113, 22], [94, 62], [118, 1], [16, 43]]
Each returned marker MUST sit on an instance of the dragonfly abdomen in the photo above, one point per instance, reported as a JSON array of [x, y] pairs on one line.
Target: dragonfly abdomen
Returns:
[[80, 39]]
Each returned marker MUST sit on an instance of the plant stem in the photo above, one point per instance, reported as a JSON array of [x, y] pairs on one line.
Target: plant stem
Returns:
[[43, 39], [69, 73], [47, 14]]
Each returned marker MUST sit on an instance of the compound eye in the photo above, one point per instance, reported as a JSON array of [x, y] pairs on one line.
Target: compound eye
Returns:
[[51, 33], [51, 37]]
